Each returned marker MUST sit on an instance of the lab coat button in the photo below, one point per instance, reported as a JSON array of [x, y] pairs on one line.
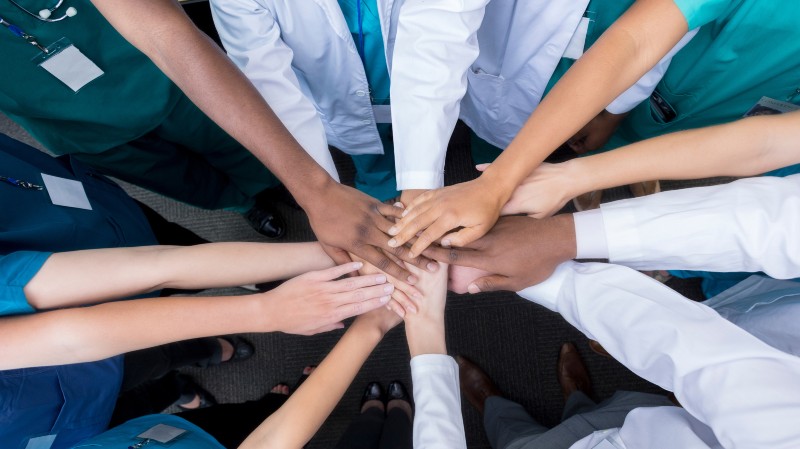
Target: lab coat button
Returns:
[[366, 122], [360, 93]]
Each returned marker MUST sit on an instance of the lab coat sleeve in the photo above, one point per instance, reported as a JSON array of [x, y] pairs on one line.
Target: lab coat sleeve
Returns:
[[252, 38], [438, 423], [435, 45], [748, 225], [745, 391], [647, 84]]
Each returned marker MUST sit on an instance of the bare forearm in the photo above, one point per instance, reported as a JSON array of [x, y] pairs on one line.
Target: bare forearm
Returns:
[[296, 422], [615, 62], [213, 82], [744, 148], [86, 277], [425, 335], [97, 332]]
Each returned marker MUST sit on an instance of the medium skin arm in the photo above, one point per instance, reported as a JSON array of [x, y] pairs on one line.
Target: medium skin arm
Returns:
[[357, 223], [306, 305], [71, 278], [625, 52], [296, 422], [746, 147]]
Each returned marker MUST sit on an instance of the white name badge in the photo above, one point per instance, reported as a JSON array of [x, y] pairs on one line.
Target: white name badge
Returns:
[[578, 42], [68, 65], [45, 442], [162, 433], [382, 112], [66, 192]]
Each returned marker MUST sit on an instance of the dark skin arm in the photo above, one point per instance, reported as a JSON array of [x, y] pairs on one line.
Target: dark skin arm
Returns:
[[519, 251], [343, 219]]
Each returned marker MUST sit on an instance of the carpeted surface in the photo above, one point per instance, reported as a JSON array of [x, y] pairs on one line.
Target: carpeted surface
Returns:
[[515, 341]]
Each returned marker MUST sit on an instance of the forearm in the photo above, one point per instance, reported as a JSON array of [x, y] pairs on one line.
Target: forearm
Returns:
[[620, 57], [744, 148], [425, 335], [90, 276], [101, 331], [210, 79], [296, 422]]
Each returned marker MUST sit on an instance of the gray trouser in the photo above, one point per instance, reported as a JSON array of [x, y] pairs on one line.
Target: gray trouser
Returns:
[[509, 426]]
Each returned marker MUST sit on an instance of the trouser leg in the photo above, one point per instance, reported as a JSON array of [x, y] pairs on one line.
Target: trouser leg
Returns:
[[506, 422], [364, 432], [230, 424], [152, 363], [576, 403], [397, 431], [167, 232]]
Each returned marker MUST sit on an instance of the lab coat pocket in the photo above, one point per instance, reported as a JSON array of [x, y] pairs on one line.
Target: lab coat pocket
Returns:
[[487, 93]]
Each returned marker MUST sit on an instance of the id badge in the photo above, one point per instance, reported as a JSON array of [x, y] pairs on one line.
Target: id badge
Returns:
[[68, 64], [770, 106]]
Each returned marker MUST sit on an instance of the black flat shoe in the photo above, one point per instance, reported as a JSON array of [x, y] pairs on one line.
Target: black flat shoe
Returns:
[[189, 390], [242, 349], [397, 391], [266, 221], [373, 392]]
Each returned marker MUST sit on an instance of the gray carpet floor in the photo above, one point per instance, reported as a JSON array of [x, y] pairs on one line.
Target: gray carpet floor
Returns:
[[515, 341]]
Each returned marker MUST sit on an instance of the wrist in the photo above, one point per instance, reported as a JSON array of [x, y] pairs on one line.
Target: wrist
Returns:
[[564, 236], [308, 192], [580, 175], [425, 335], [263, 310]]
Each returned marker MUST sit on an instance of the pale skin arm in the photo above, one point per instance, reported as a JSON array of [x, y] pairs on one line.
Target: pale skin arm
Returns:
[[625, 52], [308, 304], [161, 30], [71, 278], [296, 422], [425, 330], [747, 147]]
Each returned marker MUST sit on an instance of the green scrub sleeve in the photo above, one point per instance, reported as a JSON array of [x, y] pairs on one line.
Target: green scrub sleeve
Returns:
[[16, 270], [701, 12]]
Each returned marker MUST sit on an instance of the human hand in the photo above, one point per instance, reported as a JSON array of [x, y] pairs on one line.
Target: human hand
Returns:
[[544, 192], [346, 220], [316, 302], [521, 251], [459, 278], [596, 133], [403, 293], [380, 319], [473, 205], [408, 196], [425, 330]]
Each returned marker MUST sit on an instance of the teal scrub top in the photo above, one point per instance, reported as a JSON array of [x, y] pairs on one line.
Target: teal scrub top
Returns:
[[16, 270], [124, 435], [130, 99], [744, 50]]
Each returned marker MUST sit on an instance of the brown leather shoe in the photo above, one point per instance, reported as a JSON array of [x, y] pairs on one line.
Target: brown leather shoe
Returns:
[[644, 188], [475, 383], [572, 374], [588, 201], [598, 349]]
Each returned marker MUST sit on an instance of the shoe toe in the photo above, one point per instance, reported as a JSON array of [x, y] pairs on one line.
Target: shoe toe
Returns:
[[373, 392], [397, 390], [267, 222]]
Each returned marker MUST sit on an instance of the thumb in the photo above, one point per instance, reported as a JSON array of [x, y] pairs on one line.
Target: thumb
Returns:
[[492, 283]]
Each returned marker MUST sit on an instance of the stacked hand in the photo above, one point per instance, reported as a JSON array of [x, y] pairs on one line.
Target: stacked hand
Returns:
[[317, 302], [544, 192], [518, 251], [346, 220]]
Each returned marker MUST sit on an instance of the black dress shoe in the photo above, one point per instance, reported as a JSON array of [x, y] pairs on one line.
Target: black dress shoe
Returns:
[[266, 221], [397, 391], [373, 392], [189, 389], [242, 349]]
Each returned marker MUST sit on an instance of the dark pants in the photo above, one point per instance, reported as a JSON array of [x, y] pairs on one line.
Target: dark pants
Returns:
[[374, 430]]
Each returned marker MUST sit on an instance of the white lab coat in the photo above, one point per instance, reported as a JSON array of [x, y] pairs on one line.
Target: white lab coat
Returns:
[[301, 57]]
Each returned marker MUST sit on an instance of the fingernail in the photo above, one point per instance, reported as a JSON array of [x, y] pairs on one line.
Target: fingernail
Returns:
[[433, 266], [389, 288], [411, 255], [399, 204], [412, 309], [417, 295], [412, 279], [392, 230], [405, 212], [385, 299], [357, 265], [446, 243], [473, 288], [392, 243], [380, 279]]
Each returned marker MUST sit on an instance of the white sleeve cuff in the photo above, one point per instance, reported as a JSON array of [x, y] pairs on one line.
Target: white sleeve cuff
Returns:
[[422, 180], [590, 235], [546, 293]]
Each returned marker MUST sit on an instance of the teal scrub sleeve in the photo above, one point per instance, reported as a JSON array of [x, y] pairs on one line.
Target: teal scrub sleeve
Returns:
[[16, 270], [701, 12]]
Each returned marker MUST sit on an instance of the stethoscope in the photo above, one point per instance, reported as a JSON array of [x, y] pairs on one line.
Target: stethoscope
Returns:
[[44, 15]]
